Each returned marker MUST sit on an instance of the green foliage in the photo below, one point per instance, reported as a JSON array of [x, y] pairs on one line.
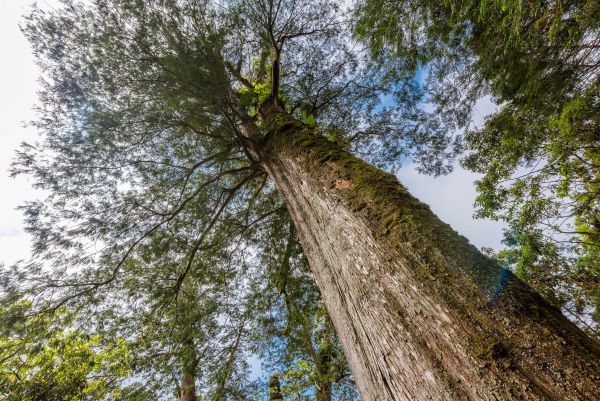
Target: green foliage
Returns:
[[308, 119], [45, 357], [257, 94]]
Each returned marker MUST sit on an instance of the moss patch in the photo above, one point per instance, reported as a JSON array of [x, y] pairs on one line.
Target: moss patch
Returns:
[[487, 347]]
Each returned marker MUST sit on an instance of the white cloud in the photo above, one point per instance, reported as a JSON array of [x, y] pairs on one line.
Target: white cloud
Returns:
[[452, 197], [483, 108]]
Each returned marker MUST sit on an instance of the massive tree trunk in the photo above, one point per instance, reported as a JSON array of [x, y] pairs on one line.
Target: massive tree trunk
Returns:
[[420, 312]]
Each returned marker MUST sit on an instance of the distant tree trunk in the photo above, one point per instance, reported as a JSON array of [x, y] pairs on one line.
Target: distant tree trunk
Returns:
[[325, 359], [188, 388], [324, 392], [187, 391], [421, 313], [275, 389]]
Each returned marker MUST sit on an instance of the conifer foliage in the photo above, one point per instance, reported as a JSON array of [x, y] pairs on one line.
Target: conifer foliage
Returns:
[[178, 139]]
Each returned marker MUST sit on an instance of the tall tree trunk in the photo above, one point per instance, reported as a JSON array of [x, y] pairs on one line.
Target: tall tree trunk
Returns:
[[420, 312]]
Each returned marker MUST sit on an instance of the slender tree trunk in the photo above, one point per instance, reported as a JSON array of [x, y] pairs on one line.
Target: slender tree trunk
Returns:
[[188, 388], [324, 392], [324, 355], [421, 313], [190, 365], [275, 389]]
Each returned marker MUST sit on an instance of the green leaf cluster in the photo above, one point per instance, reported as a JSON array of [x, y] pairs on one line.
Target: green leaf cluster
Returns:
[[46, 357]]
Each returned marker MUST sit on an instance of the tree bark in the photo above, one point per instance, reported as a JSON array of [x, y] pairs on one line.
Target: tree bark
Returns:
[[420, 312], [189, 358], [323, 365], [324, 392], [188, 388]]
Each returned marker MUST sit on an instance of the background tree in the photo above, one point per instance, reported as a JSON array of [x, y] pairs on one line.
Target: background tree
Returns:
[[188, 334], [539, 60], [274, 389]]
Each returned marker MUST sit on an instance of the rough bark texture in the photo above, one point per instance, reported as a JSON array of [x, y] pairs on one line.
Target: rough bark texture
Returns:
[[420, 312]]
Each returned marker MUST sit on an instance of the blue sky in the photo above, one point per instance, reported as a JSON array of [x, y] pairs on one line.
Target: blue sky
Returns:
[[451, 197]]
